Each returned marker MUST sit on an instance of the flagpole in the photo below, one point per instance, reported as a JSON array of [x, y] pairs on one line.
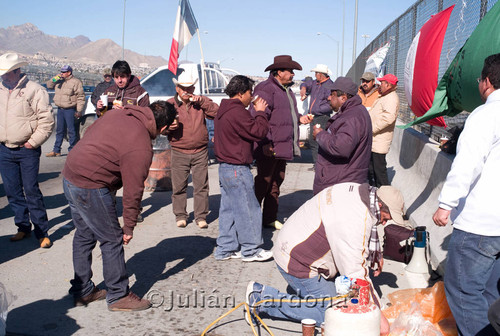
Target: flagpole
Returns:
[[202, 63]]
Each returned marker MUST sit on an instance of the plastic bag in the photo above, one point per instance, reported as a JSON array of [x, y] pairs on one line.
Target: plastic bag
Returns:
[[6, 299], [433, 307], [412, 323]]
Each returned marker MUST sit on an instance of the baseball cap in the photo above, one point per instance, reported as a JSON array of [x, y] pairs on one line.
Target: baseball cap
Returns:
[[393, 198], [346, 85], [66, 68], [389, 78], [106, 72], [369, 76]]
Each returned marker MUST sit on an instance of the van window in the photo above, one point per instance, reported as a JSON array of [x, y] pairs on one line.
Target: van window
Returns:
[[160, 84]]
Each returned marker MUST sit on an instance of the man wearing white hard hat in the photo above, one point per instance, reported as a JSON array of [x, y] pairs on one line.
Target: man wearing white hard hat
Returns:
[[26, 122], [318, 90], [189, 142]]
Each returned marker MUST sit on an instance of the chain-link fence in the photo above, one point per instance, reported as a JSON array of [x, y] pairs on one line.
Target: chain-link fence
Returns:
[[400, 33]]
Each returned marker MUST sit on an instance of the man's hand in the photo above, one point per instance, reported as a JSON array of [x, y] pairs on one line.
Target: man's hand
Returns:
[[303, 94], [174, 125], [27, 145], [126, 239], [268, 150], [441, 216], [316, 130], [306, 119], [78, 115], [100, 105], [195, 99], [260, 104]]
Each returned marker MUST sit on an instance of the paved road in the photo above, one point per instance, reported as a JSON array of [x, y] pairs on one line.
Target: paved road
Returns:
[[175, 264]]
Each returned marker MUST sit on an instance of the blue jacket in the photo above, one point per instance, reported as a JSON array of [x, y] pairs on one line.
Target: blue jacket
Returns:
[[344, 148], [283, 121], [318, 96]]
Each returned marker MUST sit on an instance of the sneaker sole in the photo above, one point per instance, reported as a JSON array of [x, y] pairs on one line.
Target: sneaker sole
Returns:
[[255, 259]]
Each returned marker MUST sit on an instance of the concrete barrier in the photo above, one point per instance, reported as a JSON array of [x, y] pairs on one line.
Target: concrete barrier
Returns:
[[418, 168]]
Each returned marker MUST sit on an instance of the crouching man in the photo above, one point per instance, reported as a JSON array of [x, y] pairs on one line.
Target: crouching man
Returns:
[[327, 235], [117, 152]]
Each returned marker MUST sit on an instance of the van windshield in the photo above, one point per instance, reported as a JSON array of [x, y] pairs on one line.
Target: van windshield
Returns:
[[160, 84]]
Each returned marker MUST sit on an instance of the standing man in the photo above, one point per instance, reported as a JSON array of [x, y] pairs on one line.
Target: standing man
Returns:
[[469, 195], [126, 90], [240, 217], [345, 145], [116, 152], [328, 234], [368, 90], [88, 119], [189, 142], [281, 143], [70, 101], [319, 91], [383, 114], [25, 124]]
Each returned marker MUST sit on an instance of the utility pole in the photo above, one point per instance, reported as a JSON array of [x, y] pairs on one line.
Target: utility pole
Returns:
[[343, 28], [123, 31], [355, 32]]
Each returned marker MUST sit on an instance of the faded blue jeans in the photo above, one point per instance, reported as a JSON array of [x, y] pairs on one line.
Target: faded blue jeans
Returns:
[[95, 218], [308, 288], [472, 280], [240, 217], [19, 169]]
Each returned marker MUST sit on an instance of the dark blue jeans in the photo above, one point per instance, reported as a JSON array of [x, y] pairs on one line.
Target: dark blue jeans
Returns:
[[471, 280], [19, 168], [65, 120], [95, 218]]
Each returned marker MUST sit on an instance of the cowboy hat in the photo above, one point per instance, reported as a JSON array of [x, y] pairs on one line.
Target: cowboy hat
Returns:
[[9, 62], [284, 62], [322, 68], [185, 79]]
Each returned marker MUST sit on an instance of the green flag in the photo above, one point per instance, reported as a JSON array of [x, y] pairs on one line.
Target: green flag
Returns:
[[458, 89]]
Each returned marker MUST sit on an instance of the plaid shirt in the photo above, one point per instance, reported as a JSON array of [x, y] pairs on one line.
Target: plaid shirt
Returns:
[[374, 249]]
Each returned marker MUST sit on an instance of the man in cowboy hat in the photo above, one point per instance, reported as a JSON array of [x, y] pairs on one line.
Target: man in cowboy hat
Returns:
[[318, 90], [281, 143], [25, 124], [189, 142], [383, 114], [70, 100]]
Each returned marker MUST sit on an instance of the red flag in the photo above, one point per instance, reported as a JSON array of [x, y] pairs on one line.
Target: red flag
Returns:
[[422, 65], [185, 28]]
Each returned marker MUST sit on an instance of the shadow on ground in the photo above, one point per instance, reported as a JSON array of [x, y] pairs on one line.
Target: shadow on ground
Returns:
[[148, 266]]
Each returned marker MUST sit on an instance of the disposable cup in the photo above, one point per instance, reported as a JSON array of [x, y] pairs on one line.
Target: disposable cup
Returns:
[[443, 140], [308, 327], [104, 99], [364, 291]]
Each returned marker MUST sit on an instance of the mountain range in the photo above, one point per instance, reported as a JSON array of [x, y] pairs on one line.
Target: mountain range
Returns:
[[27, 39]]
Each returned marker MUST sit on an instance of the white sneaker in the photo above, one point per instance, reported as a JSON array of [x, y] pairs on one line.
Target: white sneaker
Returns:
[[233, 255], [252, 296], [261, 255]]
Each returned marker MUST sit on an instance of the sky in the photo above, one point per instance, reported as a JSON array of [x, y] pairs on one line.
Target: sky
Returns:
[[241, 35]]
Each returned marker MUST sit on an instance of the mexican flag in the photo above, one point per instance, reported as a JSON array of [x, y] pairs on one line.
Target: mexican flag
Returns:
[[422, 65], [458, 90]]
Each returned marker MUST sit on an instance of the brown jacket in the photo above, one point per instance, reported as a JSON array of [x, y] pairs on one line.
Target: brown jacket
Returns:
[[116, 151], [192, 135], [68, 93]]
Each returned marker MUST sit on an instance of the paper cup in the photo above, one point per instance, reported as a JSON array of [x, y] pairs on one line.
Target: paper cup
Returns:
[[308, 327], [442, 141], [104, 99], [364, 291]]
